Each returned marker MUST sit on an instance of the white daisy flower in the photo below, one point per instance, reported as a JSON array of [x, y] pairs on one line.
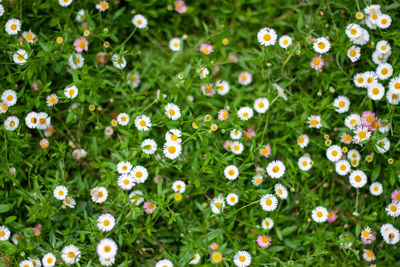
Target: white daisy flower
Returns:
[[267, 223], [276, 169], [370, 77], [20, 57], [196, 259], [133, 79], [392, 236], [36, 262], [319, 214], [360, 80], [71, 91], [361, 134], [379, 58], [384, 21], [383, 47], [173, 135], [80, 16], [305, 163], [26, 263], [261, 105], [353, 154], [124, 167], [285, 41], [102, 6], [222, 87], [245, 78], [4, 233], [266, 36], [11, 123], [232, 199], [281, 191], [179, 186], [3, 108], [321, 45], [76, 61], [235, 134], [143, 123], [172, 111], [353, 31], [363, 39], [217, 205], [44, 121], [70, 254], [245, 113], [69, 202], [65, 3], [314, 121], [175, 44], [139, 174], [164, 263], [139, 21], [149, 146], [203, 72], [136, 197], [342, 104], [376, 189], [269, 202], [334, 153], [99, 194], [357, 179], [393, 97], [49, 260], [237, 147], [13, 26], [303, 140], [107, 261], [231, 172], [342, 167], [393, 209], [257, 179], [354, 53], [118, 61], [125, 181], [107, 248], [352, 121], [105, 222], [384, 71], [172, 150], [123, 119], [372, 9], [52, 100], [242, 259], [394, 84], [383, 145], [60, 192]]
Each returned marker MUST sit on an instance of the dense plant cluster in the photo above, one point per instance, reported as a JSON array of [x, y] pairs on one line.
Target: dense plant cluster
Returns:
[[173, 133]]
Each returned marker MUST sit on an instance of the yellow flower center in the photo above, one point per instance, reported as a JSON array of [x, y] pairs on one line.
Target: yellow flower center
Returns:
[[267, 37], [321, 45], [268, 202], [171, 149], [142, 123], [71, 254], [106, 222], [13, 27], [319, 214], [343, 167]]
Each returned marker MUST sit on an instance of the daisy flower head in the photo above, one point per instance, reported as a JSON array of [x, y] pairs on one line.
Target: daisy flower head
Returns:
[[361, 134], [231, 172], [223, 114], [203, 72], [363, 39], [11, 123], [321, 45], [80, 16], [3, 108], [69, 202], [360, 80], [285, 41], [76, 61], [384, 71], [149, 146], [379, 58], [123, 119], [390, 234], [1, 10], [267, 223], [394, 84], [370, 77], [139, 21], [164, 263], [81, 44], [49, 260], [383, 47], [172, 150], [60, 192], [354, 53], [173, 135], [342, 167], [281, 191], [99, 194], [342, 104], [268, 202], [235, 134], [257, 179], [261, 105], [384, 21], [206, 49], [267, 36], [353, 31], [107, 248], [217, 205], [371, 9], [102, 6], [353, 121], [242, 258], [264, 241], [222, 87], [376, 188], [105, 222], [65, 3], [136, 197], [124, 167], [179, 186], [314, 121], [245, 78], [334, 153], [143, 123], [139, 174], [13, 26], [36, 262], [232, 199], [276, 169], [107, 261], [180, 6], [303, 140], [20, 57], [207, 89], [196, 259], [281, 91], [367, 118], [44, 121], [118, 61], [172, 111], [134, 79], [393, 209], [4, 233], [319, 214], [237, 147], [368, 255], [245, 113], [71, 92], [70, 254], [52, 100], [358, 179], [305, 163], [125, 181], [31, 120], [331, 216], [353, 154], [383, 145], [393, 97], [317, 62], [175, 44], [26, 263], [265, 150], [366, 234]]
